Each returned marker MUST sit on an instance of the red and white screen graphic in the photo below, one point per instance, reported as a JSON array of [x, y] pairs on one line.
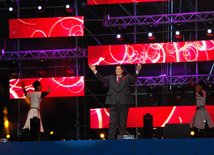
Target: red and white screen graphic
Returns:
[[60, 86], [97, 2], [161, 115], [189, 51], [46, 27]]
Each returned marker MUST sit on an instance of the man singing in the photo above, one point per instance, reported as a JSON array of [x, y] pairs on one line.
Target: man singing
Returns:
[[118, 97]]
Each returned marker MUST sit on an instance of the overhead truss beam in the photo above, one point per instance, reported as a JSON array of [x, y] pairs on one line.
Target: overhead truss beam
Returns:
[[174, 80], [44, 54], [159, 19]]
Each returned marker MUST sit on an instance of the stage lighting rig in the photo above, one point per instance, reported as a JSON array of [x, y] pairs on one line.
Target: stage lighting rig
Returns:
[[106, 19], [151, 35], [210, 29], [178, 92], [69, 8], [42, 68], [152, 93], [14, 68], [12, 7], [69, 66], [178, 30], [120, 33], [42, 6]]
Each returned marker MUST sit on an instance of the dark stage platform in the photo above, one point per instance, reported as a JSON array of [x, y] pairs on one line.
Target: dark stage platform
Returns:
[[131, 147]]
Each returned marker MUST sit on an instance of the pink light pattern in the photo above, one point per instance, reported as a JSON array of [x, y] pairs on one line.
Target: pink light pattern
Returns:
[[151, 53], [46, 27], [97, 2], [60, 86], [161, 116]]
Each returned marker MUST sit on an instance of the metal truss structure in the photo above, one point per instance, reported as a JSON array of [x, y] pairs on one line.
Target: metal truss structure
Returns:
[[159, 19], [174, 80], [44, 54]]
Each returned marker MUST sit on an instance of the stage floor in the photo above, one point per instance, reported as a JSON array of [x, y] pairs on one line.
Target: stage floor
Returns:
[[107, 147]]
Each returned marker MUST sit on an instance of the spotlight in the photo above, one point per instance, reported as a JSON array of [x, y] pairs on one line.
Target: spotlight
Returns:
[[69, 8], [69, 66], [14, 68], [51, 133], [42, 67], [192, 133], [178, 28], [42, 6], [12, 7], [120, 33], [7, 136], [102, 135], [151, 32], [209, 26], [178, 92], [210, 95], [152, 93]]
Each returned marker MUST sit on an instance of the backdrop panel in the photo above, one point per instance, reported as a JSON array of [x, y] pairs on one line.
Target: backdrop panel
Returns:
[[189, 51], [60, 86], [161, 115], [97, 2], [46, 27]]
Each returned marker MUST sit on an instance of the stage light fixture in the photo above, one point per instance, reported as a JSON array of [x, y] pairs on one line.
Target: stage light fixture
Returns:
[[152, 93], [69, 66], [69, 8], [120, 33], [210, 28], [7, 136], [151, 35], [42, 6], [106, 19], [51, 133], [12, 7], [102, 135], [42, 67], [14, 68], [192, 133], [178, 92], [209, 88], [178, 30]]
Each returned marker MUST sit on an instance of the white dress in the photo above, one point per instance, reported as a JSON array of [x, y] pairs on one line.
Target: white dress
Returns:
[[201, 115], [35, 98]]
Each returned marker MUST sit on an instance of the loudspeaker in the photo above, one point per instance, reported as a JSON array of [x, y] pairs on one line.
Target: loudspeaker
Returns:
[[148, 125], [176, 131], [35, 129]]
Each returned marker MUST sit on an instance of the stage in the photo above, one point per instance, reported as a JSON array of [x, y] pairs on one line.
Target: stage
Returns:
[[140, 146]]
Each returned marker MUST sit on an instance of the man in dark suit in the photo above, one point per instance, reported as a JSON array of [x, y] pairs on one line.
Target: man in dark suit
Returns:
[[118, 98]]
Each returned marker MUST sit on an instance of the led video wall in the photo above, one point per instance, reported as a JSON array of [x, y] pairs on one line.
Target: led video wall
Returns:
[[189, 51], [161, 115], [60, 86], [46, 27], [98, 2]]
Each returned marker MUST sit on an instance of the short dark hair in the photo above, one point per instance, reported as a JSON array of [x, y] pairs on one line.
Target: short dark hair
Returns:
[[36, 84], [120, 67], [201, 83]]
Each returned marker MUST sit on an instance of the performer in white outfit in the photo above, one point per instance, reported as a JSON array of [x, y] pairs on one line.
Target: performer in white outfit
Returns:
[[35, 98], [201, 116]]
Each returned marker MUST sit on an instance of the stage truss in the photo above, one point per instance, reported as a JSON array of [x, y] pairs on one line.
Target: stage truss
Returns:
[[44, 54], [159, 19]]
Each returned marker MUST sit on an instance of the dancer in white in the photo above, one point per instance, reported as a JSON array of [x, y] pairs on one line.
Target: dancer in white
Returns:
[[35, 98], [201, 116]]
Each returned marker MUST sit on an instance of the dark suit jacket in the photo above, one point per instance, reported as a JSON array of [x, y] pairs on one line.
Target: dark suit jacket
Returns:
[[121, 90]]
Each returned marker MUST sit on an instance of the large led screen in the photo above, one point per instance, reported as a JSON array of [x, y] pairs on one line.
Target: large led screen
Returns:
[[189, 51], [161, 115], [60, 86], [98, 2], [46, 27]]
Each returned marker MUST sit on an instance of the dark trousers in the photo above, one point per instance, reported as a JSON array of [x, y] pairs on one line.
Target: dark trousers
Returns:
[[118, 116]]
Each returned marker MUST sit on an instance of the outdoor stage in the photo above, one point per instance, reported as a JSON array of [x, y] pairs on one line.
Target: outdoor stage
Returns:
[[141, 146]]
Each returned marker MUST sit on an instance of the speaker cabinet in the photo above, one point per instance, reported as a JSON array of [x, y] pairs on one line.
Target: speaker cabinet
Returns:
[[176, 131]]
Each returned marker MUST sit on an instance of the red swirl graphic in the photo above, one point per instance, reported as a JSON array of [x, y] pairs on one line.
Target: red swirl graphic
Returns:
[[60, 86], [151, 53], [161, 116], [46, 27], [97, 2]]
